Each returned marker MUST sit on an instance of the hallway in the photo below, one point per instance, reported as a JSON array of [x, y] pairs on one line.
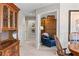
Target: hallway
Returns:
[[28, 49], [28, 44]]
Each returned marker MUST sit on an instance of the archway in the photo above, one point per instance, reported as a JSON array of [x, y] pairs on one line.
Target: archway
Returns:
[[38, 20]]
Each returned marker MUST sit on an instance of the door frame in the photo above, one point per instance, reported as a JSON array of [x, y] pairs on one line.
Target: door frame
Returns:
[[38, 20]]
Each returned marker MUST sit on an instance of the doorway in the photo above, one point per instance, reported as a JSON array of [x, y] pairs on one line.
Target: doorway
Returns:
[[38, 28], [48, 28], [30, 34]]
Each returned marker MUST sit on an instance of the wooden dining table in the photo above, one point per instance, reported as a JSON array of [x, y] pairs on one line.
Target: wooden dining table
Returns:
[[74, 49]]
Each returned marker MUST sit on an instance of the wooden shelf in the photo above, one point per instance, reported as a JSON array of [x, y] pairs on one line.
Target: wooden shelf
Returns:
[[6, 29]]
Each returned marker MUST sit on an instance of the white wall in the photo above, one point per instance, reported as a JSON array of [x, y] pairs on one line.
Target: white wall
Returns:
[[21, 26], [50, 13], [39, 12], [48, 8], [64, 9], [38, 31]]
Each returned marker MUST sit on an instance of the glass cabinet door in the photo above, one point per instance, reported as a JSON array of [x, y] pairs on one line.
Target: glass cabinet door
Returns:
[[15, 20], [5, 17], [11, 19]]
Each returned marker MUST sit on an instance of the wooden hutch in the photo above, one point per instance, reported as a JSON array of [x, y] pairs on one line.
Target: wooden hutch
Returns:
[[9, 43], [49, 24]]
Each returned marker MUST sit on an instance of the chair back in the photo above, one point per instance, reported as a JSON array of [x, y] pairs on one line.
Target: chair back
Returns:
[[74, 37], [60, 51]]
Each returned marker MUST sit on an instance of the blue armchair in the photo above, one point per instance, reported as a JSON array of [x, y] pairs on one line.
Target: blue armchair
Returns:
[[48, 41]]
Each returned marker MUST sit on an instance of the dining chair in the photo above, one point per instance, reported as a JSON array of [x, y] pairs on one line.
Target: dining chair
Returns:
[[61, 51]]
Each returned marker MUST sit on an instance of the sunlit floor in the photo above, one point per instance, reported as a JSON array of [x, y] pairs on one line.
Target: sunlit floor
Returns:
[[28, 48]]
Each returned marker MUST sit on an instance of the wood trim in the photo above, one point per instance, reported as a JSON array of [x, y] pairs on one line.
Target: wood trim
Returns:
[[13, 6]]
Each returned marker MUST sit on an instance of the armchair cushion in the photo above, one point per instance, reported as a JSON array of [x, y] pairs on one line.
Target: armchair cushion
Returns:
[[48, 41]]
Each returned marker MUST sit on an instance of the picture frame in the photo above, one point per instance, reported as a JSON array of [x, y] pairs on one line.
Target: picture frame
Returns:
[[73, 21], [33, 28]]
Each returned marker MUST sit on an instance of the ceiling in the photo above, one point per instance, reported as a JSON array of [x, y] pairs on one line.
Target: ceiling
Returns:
[[28, 8]]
